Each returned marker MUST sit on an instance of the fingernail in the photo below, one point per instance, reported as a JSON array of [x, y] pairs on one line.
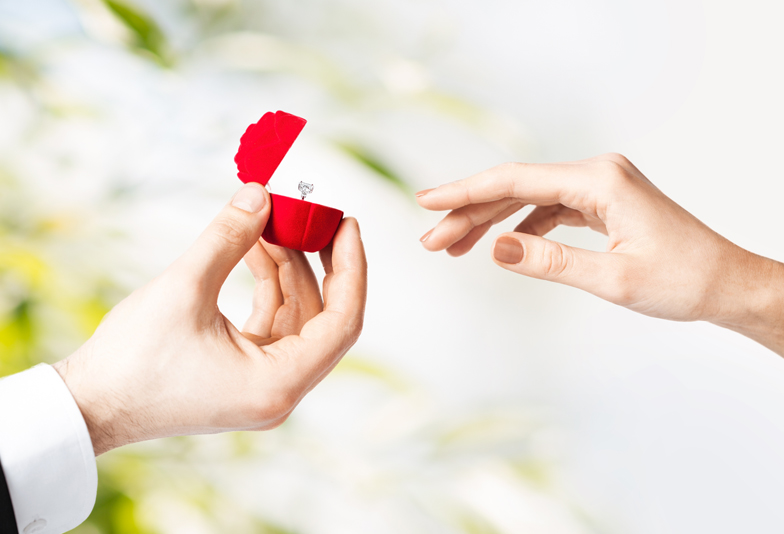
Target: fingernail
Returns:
[[508, 250], [250, 198], [423, 192], [424, 237]]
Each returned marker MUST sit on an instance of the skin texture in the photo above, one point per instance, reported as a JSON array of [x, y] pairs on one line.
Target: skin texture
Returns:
[[660, 260], [166, 361]]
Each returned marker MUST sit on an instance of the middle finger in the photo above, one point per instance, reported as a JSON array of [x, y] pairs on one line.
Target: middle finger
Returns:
[[299, 288], [460, 222]]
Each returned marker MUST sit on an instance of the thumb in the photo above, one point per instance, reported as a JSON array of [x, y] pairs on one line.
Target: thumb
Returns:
[[541, 258], [227, 238]]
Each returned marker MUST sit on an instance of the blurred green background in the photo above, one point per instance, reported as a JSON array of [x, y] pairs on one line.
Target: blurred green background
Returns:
[[476, 401], [71, 193]]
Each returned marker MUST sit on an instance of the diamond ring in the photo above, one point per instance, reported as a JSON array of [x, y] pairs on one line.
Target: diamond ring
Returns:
[[305, 189]]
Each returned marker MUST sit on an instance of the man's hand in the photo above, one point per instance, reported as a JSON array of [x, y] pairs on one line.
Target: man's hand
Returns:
[[660, 260], [165, 361]]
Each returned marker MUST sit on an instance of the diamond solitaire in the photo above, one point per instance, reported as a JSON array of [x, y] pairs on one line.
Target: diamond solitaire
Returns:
[[305, 189]]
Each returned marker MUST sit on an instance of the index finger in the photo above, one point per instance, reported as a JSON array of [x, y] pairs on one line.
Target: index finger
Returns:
[[531, 183], [328, 336]]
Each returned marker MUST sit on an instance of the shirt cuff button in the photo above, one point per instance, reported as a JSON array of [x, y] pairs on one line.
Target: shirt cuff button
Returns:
[[36, 526]]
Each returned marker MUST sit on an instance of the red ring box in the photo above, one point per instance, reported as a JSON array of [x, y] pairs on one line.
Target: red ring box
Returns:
[[293, 223]]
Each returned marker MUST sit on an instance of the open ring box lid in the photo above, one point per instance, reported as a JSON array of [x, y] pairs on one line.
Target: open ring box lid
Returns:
[[293, 223]]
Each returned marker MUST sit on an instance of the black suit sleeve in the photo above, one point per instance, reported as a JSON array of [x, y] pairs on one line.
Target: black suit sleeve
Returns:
[[7, 519]]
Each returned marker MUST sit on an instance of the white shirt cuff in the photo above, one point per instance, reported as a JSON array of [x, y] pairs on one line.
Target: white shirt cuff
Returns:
[[46, 452]]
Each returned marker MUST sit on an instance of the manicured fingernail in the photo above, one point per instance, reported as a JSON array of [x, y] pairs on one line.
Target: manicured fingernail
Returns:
[[250, 198], [508, 250], [424, 237], [423, 192]]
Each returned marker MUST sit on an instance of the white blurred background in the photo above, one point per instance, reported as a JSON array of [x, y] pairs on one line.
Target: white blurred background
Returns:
[[572, 415]]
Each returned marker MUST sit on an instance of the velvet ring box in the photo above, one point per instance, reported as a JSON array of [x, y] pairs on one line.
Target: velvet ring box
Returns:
[[293, 223]]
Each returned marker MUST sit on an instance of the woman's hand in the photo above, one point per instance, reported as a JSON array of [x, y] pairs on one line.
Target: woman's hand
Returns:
[[165, 361], [660, 260]]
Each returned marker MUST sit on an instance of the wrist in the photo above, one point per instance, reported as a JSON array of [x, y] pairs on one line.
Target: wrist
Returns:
[[103, 421], [750, 298]]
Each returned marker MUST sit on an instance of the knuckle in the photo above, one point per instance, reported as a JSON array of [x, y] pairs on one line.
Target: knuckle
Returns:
[[555, 260], [354, 330], [284, 404], [277, 406], [229, 232], [457, 217], [612, 174], [350, 331], [272, 425], [466, 219], [349, 335], [509, 172], [508, 167], [617, 158]]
